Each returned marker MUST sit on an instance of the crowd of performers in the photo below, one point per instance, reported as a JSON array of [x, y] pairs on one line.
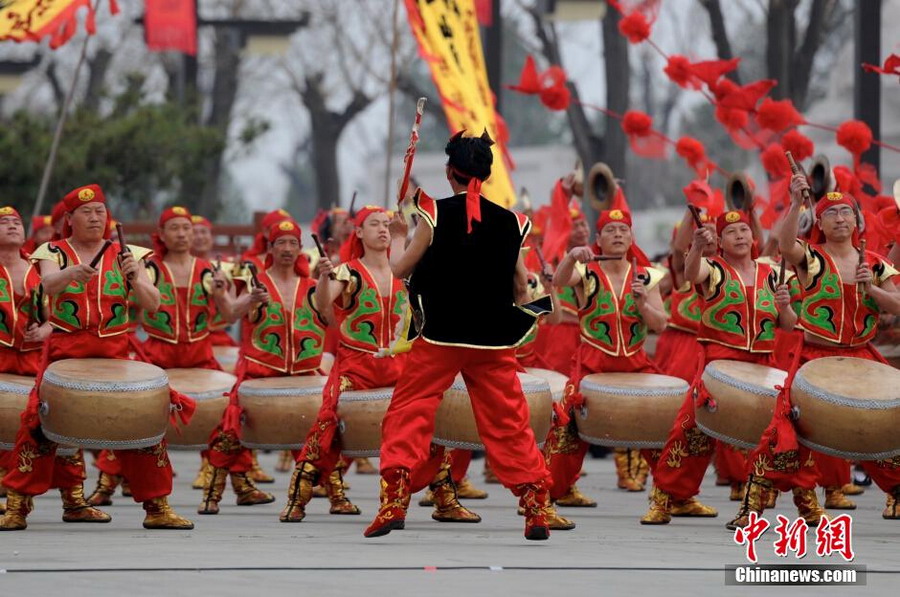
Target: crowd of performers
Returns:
[[464, 271]]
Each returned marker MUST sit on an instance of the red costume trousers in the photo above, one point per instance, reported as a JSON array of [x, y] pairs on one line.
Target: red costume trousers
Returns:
[[501, 413], [34, 456], [688, 451], [678, 354], [557, 344], [564, 450]]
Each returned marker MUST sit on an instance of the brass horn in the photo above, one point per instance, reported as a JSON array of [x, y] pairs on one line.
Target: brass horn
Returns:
[[821, 177], [601, 186], [738, 192]]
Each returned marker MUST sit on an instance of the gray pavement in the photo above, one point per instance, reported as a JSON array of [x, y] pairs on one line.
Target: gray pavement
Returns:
[[246, 551]]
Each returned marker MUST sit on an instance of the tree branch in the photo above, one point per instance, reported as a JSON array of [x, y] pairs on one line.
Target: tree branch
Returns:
[[720, 34], [802, 63]]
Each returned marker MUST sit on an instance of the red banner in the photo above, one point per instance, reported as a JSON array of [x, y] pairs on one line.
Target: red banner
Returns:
[[171, 25]]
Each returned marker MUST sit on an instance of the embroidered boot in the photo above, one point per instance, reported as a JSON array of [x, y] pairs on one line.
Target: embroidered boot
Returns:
[[575, 499], [18, 507], [364, 466], [835, 499], [624, 471], [394, 503], [246, 491], [300, 491], [892, 506], [534, 499], [755, 499], [340, 503], [446, 501], [106, 487], [203, 475], [257, 474], [77, 509], [161, 516], [808, 506], [212, 493], [658, 513]]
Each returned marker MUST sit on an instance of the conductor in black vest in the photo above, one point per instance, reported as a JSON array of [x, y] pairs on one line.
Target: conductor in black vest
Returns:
[[466, 277]]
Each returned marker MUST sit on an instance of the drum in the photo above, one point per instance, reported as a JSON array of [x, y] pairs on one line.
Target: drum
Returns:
[[744, 398], [227, 357], [208, 388], [279, 411], [629, 410], [556, 380], [848, 408], [104, 403], [361, 413], [14, 390], [327, 362], [891, 353], [454, 423]]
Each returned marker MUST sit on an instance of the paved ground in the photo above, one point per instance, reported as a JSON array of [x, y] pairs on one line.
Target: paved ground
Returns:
[[246, 551]]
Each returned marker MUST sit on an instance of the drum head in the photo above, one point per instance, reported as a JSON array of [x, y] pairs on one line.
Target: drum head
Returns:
[[296, 382], [739, 373], [12, 383], [843, 378], [636, 381], [104, 371], [198, 382]]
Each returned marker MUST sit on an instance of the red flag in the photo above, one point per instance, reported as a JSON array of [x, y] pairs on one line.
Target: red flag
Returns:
[[171, 25]]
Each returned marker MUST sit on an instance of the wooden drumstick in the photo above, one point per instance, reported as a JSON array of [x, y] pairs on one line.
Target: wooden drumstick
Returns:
[[606, 258], [862, 261], [695, 213], [254, 278], [544, 264], [217, 267], [100, 253], [123, 246], [781, 271], [322, 255], [795, 169]]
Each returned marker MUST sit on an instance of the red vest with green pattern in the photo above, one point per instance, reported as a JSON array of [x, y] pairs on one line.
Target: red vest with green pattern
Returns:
[[17, 312], [178, 320], [732, 318], [100, 305], [610, 320], [291, 343], [366, 319], [835, 310], [568, 299], [684, 310]]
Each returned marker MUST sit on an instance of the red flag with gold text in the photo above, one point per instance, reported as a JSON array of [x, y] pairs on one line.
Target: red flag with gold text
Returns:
[[171, 25]]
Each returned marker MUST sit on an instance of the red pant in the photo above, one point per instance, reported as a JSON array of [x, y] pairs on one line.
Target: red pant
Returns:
[[34, 457], [182, 355], [221, 338], [564, 451], [352, 370], [678, 354], [556, 344], [16, 362], [688, 451], [501, 413]]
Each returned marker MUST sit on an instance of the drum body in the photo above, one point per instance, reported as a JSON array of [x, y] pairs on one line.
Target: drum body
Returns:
[[208, 388], [629, 410], [227, 357], [361, 413], [891, 353], [454, 423], [104, 403], [279, 411], [14, 390], [743, 401], [848, 408], [556, 380]]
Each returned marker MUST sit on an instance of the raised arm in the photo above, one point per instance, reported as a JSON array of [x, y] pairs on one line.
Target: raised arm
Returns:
[[693, 270], [566, 275], [404, 258], [790, 248], [327, 289]]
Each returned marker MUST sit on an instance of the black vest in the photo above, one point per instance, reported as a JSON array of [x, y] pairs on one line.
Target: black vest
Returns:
[[463, 285]]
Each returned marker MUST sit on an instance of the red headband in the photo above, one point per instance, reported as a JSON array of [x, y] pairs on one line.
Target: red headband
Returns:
[[58, 212], [159, 247], [11, 211], [473, 197], [731, 217], [38, 222], [816, 236], [201, 221], [82, 196], [353, 248], [274, 217], [613, 216]]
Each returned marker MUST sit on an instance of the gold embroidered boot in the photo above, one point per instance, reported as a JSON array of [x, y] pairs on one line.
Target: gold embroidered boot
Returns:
[[640, 468], [161, 516], [624, 471], [203, 475], [77, 509], [892, 506], [212, 493], [446, 502], [772, 496], [364, 466], [285, 462], [395, 496], [692, 507], [257, 474], [300, 491], [466, 491], [755, 499], [575, 499], [853, 489], [808, 506], [18, 507], [246, 491], [106, 487], [340, 503], [836, 500], [2, 488], [489, 476], [737, 492], [658, 513]]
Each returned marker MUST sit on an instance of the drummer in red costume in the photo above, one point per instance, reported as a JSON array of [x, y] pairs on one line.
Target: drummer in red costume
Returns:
[[837, 284], [22, 334], [743, 304], [464, 241], [97, 327], [284, 335], [620, 306], [369, 303], [201, 247]]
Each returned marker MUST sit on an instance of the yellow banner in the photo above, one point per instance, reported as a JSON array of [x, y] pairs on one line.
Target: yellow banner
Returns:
[[32, 20], [448, 36]]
